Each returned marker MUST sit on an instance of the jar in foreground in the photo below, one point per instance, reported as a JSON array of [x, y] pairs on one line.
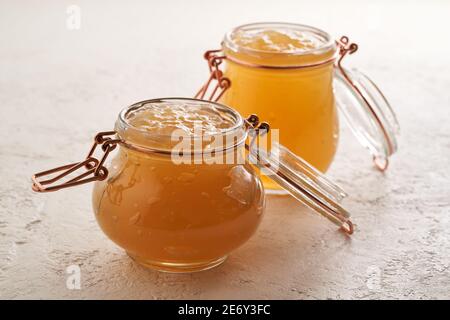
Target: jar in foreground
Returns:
[[181, 191], [188, 216]]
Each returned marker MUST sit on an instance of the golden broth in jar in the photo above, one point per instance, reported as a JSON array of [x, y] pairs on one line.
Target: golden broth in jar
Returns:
[[284, 73], [177, 217]]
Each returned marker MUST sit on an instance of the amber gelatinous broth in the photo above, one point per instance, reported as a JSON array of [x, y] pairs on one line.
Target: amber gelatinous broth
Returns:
[[298, 102], [276, 39], [186, 213]]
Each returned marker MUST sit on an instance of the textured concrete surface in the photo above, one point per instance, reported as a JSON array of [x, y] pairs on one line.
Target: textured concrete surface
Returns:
[[58, 87]]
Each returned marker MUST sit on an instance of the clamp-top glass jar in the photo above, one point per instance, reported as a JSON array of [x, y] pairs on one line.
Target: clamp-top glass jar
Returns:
[[185, 207], [286, 74]]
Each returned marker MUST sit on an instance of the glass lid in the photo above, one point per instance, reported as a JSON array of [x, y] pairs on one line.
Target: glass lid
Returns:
[[368, 113], [303, 182]]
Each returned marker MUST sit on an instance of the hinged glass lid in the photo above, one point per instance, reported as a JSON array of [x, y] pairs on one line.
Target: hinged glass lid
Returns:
[[303, 182], [365, 109]]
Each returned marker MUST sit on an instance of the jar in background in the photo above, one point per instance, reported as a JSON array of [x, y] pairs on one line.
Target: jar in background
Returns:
[[298, 101], [291, 75]]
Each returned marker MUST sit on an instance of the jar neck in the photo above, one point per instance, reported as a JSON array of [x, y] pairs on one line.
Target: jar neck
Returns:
[[179, 141], [322, 53]]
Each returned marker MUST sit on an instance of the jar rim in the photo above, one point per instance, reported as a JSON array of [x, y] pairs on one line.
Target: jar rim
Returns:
[[123, 127], [328, 41]]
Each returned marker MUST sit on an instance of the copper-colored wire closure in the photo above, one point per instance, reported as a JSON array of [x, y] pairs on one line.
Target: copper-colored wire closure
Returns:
[[348, 227], [95, 169], [214, 59]]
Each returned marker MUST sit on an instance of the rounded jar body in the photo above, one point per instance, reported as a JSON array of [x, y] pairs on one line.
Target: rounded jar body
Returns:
[[177, 216]]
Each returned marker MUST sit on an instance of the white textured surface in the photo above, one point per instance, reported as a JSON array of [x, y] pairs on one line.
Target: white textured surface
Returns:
[[59, 87]]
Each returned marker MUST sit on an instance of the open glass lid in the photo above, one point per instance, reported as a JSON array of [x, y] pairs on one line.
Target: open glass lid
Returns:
[[303, 182], [366, 110]]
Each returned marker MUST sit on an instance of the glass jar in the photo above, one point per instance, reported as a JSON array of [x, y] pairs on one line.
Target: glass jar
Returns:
[[185, 217], [291, 75], [184, 209]]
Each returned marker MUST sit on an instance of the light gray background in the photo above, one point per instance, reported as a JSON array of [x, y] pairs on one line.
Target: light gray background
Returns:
[[59, 87]]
